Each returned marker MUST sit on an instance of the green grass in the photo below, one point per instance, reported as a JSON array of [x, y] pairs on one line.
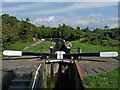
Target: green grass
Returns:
[[106, 80], [92, 48], [47, 41], [37, 48], [19, 45]]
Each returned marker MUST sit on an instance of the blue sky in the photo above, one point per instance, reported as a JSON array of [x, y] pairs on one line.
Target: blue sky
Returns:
[[83, 14]]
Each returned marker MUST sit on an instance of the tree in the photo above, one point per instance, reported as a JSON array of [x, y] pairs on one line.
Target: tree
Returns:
[[78, 27], [25, 32], [106, 27]]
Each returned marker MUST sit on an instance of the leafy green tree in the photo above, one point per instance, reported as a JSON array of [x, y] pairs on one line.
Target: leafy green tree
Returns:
[[106, 27], [14, 30]]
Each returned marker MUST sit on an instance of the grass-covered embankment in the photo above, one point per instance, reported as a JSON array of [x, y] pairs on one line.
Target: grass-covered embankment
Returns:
[[19, 46], [37, 48], [105, 80], [92, 48]]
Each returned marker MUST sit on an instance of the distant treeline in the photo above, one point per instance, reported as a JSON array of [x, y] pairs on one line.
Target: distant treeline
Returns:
[[14, 30]]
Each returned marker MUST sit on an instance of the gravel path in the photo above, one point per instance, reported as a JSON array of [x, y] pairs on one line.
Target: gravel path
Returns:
[[37, 43], [32, 45]]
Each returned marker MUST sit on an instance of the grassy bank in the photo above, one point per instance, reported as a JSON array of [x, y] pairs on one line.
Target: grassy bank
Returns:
[[92, 48], [37, 48], [106, 80], [19, 45]]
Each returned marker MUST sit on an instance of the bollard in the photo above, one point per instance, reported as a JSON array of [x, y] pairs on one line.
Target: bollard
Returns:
[[79, 51], [68, 49], [51, 49]]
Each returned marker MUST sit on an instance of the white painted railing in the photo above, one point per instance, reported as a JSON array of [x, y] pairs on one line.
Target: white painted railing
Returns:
[[33, 85]]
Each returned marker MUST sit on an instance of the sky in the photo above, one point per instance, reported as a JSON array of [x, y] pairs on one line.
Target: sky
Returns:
[[82, 14]]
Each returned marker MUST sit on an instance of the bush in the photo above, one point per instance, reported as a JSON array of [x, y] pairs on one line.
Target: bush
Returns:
[[109, 42]]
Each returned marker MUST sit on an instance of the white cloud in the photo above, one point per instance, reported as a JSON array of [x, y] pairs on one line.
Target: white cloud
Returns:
[[40, 21], [72, 7], [92, 21], [69, 8], [98, 20], [24, 7], [83, 22], [95, 15]]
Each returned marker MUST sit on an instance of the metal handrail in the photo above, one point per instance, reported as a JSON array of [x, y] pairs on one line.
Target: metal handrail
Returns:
[[33, 85]]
